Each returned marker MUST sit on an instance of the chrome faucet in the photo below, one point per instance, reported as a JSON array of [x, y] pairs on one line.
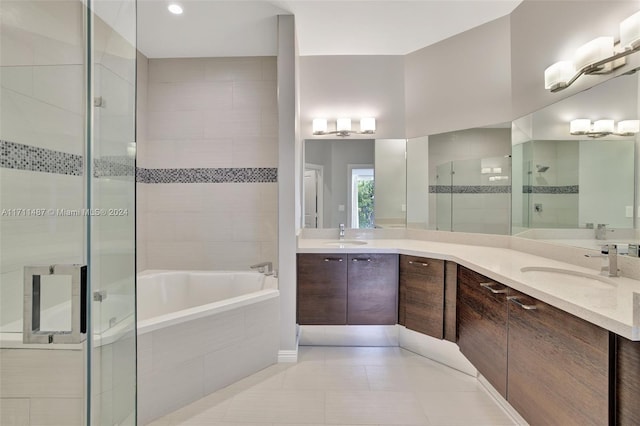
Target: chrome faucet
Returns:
[[609, 251], [264, 268], [341, 234], [601, 231]]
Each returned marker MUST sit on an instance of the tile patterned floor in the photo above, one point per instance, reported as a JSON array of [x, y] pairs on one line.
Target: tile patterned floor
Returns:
[[348, 386]]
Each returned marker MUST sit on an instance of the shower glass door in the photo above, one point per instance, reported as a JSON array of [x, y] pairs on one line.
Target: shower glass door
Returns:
[[444, 182], [67, 186], [111, 196]]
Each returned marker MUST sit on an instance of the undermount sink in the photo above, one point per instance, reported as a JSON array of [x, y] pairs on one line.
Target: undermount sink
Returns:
[[568, 276], [345, 243]]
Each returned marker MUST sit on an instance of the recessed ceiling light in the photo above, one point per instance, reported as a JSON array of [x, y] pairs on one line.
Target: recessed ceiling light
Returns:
[[176, 9]]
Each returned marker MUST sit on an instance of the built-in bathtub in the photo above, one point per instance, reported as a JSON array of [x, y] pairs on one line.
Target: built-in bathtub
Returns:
[[199, 332]]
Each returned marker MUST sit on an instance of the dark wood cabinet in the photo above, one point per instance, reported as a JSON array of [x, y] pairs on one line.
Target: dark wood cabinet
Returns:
[[450, 292], [372, 289], [482, 325], [341, 289], [422, 295], [627, 383], [322, 289], [558, 365]]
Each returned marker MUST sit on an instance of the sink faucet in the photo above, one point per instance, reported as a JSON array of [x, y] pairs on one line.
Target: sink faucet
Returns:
[[609, 251], [264, 268], [601, 231], [341, 234]]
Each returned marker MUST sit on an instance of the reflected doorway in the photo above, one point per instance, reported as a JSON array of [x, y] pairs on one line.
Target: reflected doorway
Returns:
[[313, 195]]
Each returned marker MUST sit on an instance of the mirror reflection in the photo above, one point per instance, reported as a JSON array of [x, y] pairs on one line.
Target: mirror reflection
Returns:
[[357, 182], [460, 181], [576, 189]]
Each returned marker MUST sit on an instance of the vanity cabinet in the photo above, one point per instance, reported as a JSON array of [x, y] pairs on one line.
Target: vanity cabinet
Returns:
[[372, 289], [422, 293], [341, 289], [322, 289], [627, 384], [482, 325], [450, 296], [558, 370]]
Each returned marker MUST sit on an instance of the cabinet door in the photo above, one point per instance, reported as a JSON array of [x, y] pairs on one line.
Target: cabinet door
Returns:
[[422, 281], [450, 290], [372, 289], [482, 325], [627, 382], [322, 289], [558, 365]]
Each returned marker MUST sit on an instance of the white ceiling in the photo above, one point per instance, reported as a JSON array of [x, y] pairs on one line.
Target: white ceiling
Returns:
[[212, 28]]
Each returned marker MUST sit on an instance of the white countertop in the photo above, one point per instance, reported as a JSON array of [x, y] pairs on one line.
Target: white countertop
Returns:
[[608, 306]]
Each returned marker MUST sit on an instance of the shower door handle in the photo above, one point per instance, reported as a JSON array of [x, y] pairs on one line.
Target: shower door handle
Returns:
[[32, 327]]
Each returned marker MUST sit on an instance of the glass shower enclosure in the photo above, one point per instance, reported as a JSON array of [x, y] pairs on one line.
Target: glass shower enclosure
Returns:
[[67, 203], [474, 195]]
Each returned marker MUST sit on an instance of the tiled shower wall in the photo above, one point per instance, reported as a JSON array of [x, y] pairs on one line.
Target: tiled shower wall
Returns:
[[208, 163]]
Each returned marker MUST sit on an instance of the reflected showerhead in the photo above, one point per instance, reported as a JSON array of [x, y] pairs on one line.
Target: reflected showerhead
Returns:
[[542, 169]]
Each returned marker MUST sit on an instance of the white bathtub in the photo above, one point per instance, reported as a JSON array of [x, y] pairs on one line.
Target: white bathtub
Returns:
[[199, 332]]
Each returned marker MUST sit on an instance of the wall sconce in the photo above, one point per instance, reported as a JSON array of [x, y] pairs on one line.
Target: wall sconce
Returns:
[[599, 56], [601, 128], [343, 126]]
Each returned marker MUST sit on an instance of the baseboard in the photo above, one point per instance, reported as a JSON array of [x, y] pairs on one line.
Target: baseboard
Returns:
[[441, 351], [288, 355], [517, 418], [348, 335]]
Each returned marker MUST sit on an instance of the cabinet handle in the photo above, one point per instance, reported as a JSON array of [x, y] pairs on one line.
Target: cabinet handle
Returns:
[[411, 262], [515, 300], [333, 259], [493, 290], [360, 260]]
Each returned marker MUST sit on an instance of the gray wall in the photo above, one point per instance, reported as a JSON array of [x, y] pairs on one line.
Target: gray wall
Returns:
[[461, 82], [353, 86]]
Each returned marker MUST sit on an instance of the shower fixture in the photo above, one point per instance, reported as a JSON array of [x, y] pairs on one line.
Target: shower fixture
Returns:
[[541, 168]]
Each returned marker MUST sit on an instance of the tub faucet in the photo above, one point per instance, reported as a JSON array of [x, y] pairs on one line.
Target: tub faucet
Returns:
[[264, 268], [341, 234], [609, 251]]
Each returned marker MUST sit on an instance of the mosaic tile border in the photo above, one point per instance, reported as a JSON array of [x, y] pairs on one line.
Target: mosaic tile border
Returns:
[[204, 175], [114, 166], [27, 157], [470, 189], [568, 189]]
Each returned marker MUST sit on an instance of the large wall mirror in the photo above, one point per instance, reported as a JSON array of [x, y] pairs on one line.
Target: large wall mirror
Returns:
[[565, 185], [530, 178], [357, 182], [460, 181]]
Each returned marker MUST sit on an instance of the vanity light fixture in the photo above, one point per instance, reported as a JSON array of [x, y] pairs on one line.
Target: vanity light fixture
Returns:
[[601, 128], [175, 8], [343, 127], [599, 56]]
